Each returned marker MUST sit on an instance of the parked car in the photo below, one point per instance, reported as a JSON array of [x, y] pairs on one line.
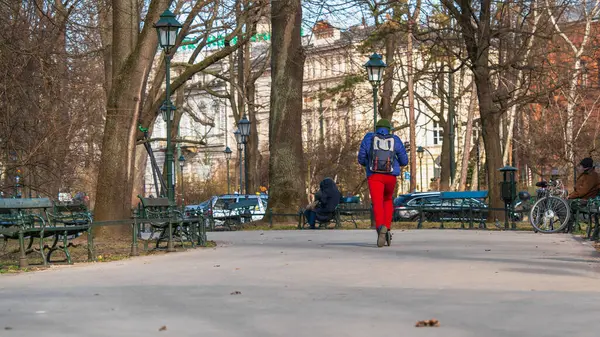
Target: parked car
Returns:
[[437, 209], [400, 210], [254, 205], [203, 209]]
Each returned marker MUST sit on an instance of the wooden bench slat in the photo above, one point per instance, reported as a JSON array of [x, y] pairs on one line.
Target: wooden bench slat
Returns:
[[28, 203]]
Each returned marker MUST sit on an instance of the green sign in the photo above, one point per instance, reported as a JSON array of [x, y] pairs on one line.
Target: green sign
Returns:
[[219, 41]]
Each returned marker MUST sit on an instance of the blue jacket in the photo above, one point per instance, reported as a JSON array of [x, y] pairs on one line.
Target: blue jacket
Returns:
[[401, 159]]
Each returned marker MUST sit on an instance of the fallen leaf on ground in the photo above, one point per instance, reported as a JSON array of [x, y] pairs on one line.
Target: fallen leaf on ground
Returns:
[[431, 322], [163, 328], [236, 293]]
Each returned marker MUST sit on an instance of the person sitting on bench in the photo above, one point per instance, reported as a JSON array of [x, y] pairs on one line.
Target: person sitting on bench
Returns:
[[326, 200]]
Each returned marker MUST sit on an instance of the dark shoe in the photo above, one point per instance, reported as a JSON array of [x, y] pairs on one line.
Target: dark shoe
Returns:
[[382, 236], [388, 238]]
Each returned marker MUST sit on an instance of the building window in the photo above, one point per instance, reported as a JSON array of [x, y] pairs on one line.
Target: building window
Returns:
[[438, 134]]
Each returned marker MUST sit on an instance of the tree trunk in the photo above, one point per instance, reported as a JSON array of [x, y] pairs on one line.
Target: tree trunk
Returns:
[[387, 111], [490, 123], [130, 71], [411, 113], [105, 21], [286, 164], [445, 157], [468, 136]]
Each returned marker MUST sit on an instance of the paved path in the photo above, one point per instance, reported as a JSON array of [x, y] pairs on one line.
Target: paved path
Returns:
[[321, 283]]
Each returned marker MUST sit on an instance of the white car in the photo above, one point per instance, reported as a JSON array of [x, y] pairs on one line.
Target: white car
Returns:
[[255, 205]]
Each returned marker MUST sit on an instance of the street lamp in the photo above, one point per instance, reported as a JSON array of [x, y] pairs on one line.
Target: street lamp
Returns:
[[238, 140], [227, 157], [420, 153], [167, 28], [375, 67], [181, 164], [244, 128]]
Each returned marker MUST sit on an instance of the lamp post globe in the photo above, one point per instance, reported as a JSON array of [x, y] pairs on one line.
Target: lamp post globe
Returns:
[[244, 126], [227, 153], [238, 137], [420, 152], [375, 67], [181, 161], [167, 28]]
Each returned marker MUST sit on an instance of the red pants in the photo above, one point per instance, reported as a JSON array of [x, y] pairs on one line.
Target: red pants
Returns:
[[382, 187]]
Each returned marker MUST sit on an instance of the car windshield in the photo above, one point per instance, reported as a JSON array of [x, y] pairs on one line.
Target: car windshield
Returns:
[[425, 201], [401, 200], [223, 203]]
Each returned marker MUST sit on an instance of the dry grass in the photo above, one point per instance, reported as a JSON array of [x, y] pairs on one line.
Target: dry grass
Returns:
[[107, 250]]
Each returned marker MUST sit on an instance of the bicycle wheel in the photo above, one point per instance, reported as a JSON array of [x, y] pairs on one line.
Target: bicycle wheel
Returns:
[[550, 214]]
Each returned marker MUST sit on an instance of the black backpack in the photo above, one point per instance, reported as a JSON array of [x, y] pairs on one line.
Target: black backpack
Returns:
[[382, 154]]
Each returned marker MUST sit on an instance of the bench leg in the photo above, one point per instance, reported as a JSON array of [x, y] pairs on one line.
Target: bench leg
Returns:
[[596, 232], [22, 257], [170, 247], [90, 247], [42, 249], [202, 234], [66, 248], [134, 242], [192, 233]]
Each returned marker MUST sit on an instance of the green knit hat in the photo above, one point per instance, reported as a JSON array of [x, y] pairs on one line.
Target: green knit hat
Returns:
[[384, 123]]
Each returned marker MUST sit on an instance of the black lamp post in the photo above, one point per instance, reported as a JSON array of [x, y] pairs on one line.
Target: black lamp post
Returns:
[[244, 127], [240, 145], [181, 165], [167, 28], [228, 157], [420, 153], [375, 67]]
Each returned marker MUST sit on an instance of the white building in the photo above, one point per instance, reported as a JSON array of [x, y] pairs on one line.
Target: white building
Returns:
[[332, 56]]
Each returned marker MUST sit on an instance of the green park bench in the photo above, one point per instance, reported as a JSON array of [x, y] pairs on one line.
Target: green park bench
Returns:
[[165, 220], [591, 211], [39, 218], [67, 222], [348, 210], [235, 214]]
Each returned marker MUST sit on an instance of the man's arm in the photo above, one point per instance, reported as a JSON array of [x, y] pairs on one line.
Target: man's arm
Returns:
[[363, 151], [583, 186]]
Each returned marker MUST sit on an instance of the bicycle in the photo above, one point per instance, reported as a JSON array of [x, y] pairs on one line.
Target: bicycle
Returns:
[[551, 211]]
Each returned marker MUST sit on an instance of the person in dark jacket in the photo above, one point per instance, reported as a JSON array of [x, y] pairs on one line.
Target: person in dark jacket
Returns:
[[588, 181], [383, 182], [327, 199]]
